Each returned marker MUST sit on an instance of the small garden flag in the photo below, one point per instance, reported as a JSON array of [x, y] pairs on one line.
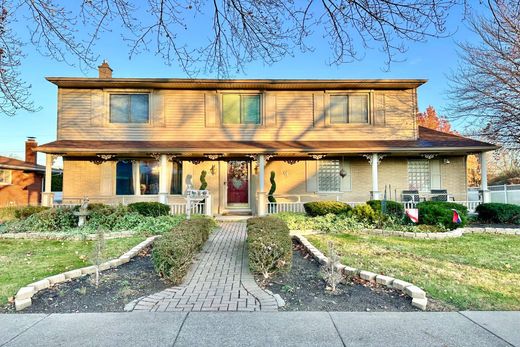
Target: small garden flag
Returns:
[[456, 217], [413, 214]]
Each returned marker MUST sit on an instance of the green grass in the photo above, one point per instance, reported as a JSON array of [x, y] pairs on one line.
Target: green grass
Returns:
[[473, 272], [26, 261]]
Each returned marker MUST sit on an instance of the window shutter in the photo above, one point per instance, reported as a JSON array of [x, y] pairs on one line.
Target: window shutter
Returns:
[[211, 107], [107, 178], [346, 182], [435, 174], [312, 175]]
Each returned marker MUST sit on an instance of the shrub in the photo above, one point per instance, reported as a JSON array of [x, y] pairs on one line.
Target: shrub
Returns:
[[321, 208], [203, 183], [54, 219], [326, 224], [27, 211], [393, 208], [440, 212], [173, 253], [7, 214], [364, 213], [149, 209], [498, 213], [270, 195], [269, 245]]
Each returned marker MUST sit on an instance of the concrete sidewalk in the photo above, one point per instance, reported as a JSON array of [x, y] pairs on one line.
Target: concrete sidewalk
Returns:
[[262, 329]]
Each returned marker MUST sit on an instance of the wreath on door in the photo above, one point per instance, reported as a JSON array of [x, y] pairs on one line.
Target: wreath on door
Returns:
[[238, 172]]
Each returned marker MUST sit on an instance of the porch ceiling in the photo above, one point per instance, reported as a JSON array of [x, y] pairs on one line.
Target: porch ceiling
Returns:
[[430, 141]]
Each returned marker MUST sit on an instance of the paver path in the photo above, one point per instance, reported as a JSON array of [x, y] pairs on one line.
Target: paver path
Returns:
[[218, 281]]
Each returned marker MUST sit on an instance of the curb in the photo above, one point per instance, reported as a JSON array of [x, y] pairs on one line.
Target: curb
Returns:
[[23, 297], [418, 295]]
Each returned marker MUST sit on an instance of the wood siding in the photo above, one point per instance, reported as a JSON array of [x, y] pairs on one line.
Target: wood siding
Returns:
[[195, 115]]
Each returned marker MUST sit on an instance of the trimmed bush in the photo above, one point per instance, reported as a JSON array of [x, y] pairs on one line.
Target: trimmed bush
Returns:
[[393, 208], [269, 246], [149, 209], [270, 195], [440, 213], [203, 183], [27, 211], [174, 252], [498, 213], [321, 208], [54, 219]]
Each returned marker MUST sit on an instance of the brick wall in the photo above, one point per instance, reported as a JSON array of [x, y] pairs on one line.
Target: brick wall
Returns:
[[24, 190]]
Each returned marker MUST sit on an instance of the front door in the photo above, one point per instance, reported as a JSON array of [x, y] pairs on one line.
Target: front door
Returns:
[[238, 184]]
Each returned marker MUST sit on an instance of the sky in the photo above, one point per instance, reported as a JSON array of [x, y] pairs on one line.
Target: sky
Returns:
[[432, 60]]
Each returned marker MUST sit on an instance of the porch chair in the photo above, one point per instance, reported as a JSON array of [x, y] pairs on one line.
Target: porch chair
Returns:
[[439, 195], [410, 196]]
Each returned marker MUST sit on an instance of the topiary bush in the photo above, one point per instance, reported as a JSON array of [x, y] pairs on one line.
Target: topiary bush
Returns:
[[203, 183], [173, 254], [149, 209], [498, 213], [269, 246], [321, 208], [393, 208], [440, 213], [270, 195]]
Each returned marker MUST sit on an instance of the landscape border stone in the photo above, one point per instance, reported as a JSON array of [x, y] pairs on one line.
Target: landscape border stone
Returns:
[[64, 236], [23, 297], [418, 295]]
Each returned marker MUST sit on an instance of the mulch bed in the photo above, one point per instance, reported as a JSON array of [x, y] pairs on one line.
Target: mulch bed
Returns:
[[117, 287], [303, 289]]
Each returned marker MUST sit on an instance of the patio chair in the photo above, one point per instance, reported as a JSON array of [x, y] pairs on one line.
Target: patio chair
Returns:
[[439, 195], [410, 196]]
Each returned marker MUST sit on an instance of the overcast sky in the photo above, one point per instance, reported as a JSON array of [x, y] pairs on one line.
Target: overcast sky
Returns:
[[432, 60]]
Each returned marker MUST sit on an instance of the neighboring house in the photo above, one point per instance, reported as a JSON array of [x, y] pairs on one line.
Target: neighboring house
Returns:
[[149, 139], [21, 181]]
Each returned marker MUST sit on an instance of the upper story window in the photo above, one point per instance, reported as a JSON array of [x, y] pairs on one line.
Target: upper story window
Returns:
[[241, 108], [129, 108], [6, 177], [346, 109], [419, 175]]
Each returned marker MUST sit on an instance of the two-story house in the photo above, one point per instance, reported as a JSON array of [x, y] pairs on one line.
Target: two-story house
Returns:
[[149, 139]]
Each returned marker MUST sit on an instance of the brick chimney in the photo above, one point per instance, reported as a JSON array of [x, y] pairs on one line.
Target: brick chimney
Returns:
[[104, 70], [30, 154]]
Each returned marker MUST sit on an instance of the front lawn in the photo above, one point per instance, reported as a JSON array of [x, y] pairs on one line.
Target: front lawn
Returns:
[[473, 272], [26, 261]]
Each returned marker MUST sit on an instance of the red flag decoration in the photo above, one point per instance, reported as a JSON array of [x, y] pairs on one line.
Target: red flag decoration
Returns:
[[413, 214], [456, 217]]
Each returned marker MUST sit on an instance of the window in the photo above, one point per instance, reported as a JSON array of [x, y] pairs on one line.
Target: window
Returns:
[[241, 109], [124, 178], [149, 177], [129, 108], [176, 182], [329, 179], [6, 177], [419, 175], [348, 109]]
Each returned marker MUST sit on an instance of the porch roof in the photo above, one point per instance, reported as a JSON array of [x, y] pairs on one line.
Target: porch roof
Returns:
[[429, 141]]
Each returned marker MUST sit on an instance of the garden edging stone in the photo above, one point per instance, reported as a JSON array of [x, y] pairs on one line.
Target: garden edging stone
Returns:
[[23, 297], [418, 295]]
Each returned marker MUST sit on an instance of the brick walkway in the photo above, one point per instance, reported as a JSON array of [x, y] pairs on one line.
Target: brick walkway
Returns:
[[218, 281]]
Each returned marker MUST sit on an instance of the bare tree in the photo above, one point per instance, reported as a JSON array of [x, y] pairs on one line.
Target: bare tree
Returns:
[[239, 31], [485, 89]]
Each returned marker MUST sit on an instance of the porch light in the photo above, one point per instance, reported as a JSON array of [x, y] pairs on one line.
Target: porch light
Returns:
[[342, 173]]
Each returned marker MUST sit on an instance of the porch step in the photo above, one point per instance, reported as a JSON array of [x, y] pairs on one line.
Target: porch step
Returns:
[[232, 218]]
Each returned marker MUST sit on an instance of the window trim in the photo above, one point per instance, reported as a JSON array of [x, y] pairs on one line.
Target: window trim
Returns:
[[10, 180], [370, 102], [241, 125]]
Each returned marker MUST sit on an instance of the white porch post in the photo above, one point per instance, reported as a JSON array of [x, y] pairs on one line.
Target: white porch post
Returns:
[[48, 195], [262, 201], [163, 179], [486, 195], [374, 161]]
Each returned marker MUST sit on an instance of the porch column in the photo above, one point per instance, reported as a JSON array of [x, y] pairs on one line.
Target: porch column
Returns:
[[163, 179], [48, 195], [262, 201], [484, 192], [374, 161]]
